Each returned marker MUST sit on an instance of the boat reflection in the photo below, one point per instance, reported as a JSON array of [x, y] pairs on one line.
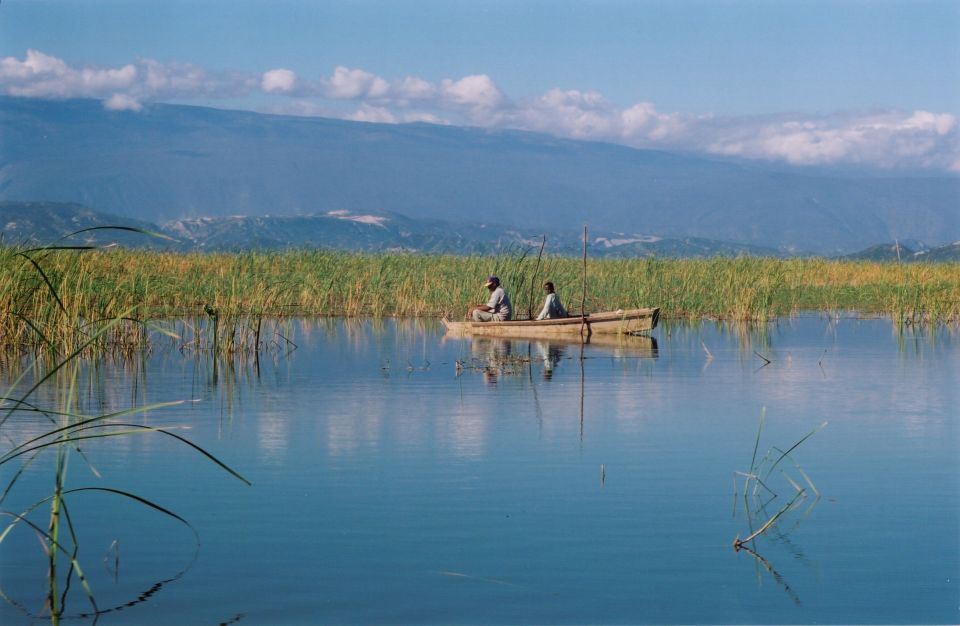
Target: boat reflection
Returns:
[[499, 356], [626, 346], [617, 346]]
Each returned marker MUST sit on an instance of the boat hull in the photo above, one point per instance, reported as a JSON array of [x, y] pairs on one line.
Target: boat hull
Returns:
[[628, 321]]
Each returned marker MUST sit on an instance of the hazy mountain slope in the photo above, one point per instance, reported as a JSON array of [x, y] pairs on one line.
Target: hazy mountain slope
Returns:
[[949, 253], [379, 231], [44, 223], [371, 231], [168, 162]]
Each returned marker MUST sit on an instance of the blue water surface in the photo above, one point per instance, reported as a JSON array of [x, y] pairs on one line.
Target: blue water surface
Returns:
[[401, 477]]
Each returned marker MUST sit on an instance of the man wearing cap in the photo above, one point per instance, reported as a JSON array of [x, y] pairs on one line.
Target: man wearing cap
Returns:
[[497, 308]]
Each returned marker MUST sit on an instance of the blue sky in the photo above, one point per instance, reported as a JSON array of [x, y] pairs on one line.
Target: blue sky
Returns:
[[803, 82]]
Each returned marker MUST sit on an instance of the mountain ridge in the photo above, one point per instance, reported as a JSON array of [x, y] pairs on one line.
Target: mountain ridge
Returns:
[[40, 223], [174, 161]]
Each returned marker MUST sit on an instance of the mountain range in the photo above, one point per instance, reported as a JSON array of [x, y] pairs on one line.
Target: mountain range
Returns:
[[901, 253], [41, 223], [173, 162]]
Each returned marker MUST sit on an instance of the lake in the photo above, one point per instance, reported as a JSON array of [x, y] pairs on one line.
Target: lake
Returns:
[[401, 477]]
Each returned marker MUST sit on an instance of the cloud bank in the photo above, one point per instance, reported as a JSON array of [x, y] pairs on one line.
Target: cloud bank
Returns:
[[885, 138]]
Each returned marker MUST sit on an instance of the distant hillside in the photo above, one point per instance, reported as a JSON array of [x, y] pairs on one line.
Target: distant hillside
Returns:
[[40, 223], [378, 231], [904, 254], [949, 252], [170, 162], [44, 223], [372, 231]]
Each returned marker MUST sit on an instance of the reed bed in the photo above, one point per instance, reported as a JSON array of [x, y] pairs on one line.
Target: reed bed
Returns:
[[56, 419], [238, 291]]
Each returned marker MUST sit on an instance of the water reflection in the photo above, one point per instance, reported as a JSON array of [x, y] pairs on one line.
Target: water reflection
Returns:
[[382, 452], [550, 354], [95, 615], [495, 357], [777, 576]]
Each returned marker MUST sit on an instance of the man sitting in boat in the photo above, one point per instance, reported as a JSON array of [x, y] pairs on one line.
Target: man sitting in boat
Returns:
[[497, 308], [552, 309]]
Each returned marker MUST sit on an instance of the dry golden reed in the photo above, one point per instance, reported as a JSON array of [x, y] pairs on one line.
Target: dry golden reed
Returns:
[[102, 284]]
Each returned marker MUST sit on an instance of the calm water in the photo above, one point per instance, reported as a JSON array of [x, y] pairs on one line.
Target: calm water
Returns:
[[533, 487]]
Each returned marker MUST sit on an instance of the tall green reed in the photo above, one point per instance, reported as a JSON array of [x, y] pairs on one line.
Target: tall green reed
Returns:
[[61, 334], [249, 289]]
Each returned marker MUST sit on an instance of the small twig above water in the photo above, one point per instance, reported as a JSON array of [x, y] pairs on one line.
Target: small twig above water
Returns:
[[111, 561], [760, 473], [287, 339], [423, 368]]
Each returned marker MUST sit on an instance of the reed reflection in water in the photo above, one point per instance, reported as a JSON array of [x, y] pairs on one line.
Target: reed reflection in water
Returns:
[[396, 482]]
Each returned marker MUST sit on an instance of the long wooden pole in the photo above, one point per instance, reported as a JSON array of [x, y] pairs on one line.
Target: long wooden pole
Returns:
[[583, 323], [533, 281], [583, 298]]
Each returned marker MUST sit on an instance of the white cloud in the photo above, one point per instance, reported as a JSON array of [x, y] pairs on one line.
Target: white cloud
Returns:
[[581, 115], [642, 122], [40, 75], [886, 139], [412, 88], [367, 113], [121, 102], [351, 84], [917, 139], [428, 118], [34, 64], [185, 80], [476, 97], [173, 79], [278, 81], [477, 91], [43, 76], [364, 113], [588, 115], [926, 121], [383, 115]]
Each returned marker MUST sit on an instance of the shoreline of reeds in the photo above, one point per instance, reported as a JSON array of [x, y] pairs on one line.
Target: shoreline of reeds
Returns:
[[98, 285]]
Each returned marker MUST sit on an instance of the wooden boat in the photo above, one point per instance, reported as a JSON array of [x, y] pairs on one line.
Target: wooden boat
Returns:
[[621, 321]]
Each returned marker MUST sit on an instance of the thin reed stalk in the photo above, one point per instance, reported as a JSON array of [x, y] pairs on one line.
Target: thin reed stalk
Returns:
[[44, 295], [760, 474]]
